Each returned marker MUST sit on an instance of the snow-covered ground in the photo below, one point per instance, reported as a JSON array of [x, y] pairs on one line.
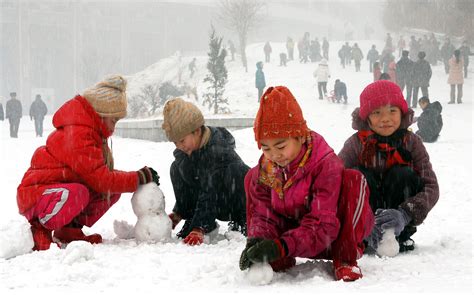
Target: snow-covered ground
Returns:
[[442, 261]]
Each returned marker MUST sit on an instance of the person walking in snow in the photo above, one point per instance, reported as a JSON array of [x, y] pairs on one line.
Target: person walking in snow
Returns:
[[404, 70], [192, 67], [38, 110], [260, 80], [72, 181], [1, 112], [357, 56], [455, 77], [430, 121], [372, 57], [13, 112], [322, 75], [325, 47], [232, 50], [267, 49], [290, 47], [465, 53], [300, 200], [403, 185], [421, 77], [207, 174]]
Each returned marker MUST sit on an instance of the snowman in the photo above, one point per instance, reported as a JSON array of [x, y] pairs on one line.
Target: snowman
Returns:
[[388, 246], [153, 224]]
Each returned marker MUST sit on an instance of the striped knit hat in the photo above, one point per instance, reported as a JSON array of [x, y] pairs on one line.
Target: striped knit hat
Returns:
[[108, 97], [180, 118]]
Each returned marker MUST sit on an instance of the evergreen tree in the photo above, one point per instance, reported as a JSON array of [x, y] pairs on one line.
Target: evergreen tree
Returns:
[[217, 76]]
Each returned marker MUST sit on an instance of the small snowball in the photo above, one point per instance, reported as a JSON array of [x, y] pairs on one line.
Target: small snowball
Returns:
[[15, 238], [123, 229], [388, 245], [78, 251], [155, 228], [260, 274], [148, 199]]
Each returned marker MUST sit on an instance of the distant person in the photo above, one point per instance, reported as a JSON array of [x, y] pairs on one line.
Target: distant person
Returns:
[[13, 112], [290, 47], [325, 47], [405, 75], [1, 112], [267, 49], [446, 52], [421, 77], [322, 75], [260, 79], [357, 56], [455, 77], [340, 91], [372, 57], [38, 110], [430, 121], [283, 59], [192, 67], [465, 53]]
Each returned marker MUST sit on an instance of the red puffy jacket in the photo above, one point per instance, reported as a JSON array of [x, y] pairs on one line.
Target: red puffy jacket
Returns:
[[74, 153]]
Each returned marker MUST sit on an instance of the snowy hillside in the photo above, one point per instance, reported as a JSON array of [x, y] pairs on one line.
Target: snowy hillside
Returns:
[[441, 262]]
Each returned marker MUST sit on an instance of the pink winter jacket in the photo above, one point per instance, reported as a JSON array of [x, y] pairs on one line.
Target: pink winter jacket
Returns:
[[456, 74], [305, 217]]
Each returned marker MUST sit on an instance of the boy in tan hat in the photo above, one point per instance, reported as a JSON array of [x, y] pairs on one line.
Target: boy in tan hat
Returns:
[[207, 173], [72, 181]]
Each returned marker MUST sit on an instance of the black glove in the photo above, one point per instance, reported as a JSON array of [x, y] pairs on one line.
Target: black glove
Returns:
[[244, 262], [263, 251], [147, 175], [392, 218]]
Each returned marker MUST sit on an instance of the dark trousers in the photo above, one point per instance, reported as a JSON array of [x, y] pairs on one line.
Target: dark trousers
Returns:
[[39, 127], [391, 188], [260, 93], [408, 96], [424, 92], [453, 93], [14, 126], [322, 89]]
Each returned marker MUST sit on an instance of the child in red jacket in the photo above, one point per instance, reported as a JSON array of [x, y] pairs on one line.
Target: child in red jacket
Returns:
[[403, 185], [297, 203], [72, 181]]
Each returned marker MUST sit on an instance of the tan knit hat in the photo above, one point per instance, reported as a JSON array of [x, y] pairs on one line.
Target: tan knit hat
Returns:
[[180, 118], [108, 97]]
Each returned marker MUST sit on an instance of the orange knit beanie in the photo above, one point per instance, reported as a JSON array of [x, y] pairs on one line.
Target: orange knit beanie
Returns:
[[279, 116]]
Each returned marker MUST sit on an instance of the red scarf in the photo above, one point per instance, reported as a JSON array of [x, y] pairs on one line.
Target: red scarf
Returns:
[[390, 150]]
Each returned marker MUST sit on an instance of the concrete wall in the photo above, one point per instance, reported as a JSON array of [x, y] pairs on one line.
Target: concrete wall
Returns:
[[151, 129]]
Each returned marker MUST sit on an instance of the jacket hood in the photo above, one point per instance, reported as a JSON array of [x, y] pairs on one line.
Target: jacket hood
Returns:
[[435, 106], [78, 111], [359, 124]]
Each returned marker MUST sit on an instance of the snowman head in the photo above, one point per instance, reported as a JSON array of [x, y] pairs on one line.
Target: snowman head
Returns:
[[148, 200]]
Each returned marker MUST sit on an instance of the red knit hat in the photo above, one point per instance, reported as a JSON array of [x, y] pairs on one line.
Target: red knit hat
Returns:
[[378, 94], [279, 116]]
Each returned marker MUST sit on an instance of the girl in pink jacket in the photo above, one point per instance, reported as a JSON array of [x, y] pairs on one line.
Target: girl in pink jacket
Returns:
[[297, 202]]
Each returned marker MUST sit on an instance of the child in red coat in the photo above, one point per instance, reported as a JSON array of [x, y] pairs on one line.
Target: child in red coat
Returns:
[[297, 203], [72, 181], [403, 185]]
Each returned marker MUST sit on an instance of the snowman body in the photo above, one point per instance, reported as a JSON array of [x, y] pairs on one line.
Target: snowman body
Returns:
[[153, 224]]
